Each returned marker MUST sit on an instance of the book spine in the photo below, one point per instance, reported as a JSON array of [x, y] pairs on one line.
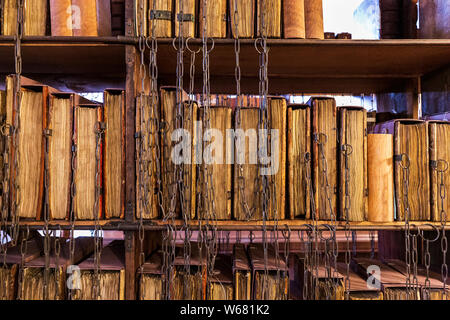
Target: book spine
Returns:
[[314, 19], [188, 16], [216, 19], [272, 18], [245, 15], [160, 15], [294, 19]]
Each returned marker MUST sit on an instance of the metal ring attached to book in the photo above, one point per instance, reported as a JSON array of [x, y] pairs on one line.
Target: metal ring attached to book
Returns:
[[402, 157], [444, 164], [189, 48]]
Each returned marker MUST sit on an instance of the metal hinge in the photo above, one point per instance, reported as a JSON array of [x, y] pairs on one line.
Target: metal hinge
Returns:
[[186, 17]]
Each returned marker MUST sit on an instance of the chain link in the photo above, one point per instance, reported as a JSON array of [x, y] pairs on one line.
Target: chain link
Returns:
[[72, 216], [47, 233], [408, 256], [347, 150]]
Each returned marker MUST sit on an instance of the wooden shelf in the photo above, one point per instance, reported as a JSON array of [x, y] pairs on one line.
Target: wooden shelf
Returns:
[[295, 66], [315, 66], [159, 225]]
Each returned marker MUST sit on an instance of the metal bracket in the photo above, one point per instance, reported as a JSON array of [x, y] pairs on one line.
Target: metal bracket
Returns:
[[186, 17], [160, 15]]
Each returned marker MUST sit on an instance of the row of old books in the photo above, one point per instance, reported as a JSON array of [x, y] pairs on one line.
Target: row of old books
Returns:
[[65, 152], [33, 281], [283, 19], [65, 17], [318, 130], [235, 277], [370, 279]]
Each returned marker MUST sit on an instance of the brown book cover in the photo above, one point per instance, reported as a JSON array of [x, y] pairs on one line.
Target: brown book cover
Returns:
[[160, 18], [220, 283], [314, 19], [324, 130], [151, 279], [60, 124], [220, 165], [294, 19], [61, 18], [272, 19], [380, 176], [114, 153], [94, 18], [245, 15], [298, 148], [439, 142], [216, 19], [411, 138], [242, 273], [188, 15], [87, 119], [353, 142], [31, 144]]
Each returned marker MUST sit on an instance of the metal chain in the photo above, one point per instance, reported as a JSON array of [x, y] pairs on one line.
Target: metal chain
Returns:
[[47, 133], [23, 250], [57, 274], [209, 213], [347, 150], [98, 243], [427, 259], [263, 126], [15, 203], [405, 170], [442, 167], [72, 216]]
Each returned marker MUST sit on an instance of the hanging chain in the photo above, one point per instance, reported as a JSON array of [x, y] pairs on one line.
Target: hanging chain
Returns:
[[72, 216], [314, 260], [427, 258], [442, 167], [263, 125], [98, 243], [209, 213], [347, 150], [23, 250], [47, 133], [57, 273], [405, 170], [17, 126], [414, 259], [237, 75], [372, 244]]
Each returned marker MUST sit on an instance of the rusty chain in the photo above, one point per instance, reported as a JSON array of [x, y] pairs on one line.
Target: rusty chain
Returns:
[[347, 150]]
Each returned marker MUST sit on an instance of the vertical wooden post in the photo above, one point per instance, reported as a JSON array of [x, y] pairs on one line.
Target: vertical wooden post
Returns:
[[414, 97], [130, 175]]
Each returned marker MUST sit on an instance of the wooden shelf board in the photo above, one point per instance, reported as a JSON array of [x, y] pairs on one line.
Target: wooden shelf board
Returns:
[[158, 225], [295, 66]]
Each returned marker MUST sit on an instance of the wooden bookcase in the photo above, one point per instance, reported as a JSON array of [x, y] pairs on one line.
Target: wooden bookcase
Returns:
[[86, 64]]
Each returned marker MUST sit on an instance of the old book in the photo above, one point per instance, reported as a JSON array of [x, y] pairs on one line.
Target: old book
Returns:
[[61, 17], [146, 159], [2, 141], [245, 16], [359, 290], [324, 150], [88, 174], [242, 273], [392, 282], [13, 260], [434, 22], [33, 108], [216, 19], [313, 19], [277, 287], [170, 186], [298, 149], [111, 274], [191, 284], [60, 122], [35, 17], [219, 164], [220, 284], [94, 18], [34, 271], [160, 18], [380, 176], [141, 17], [435, 290], [114, 153], [247, 192], [272, 18], [277, 165], [186, 14], [294, 19], [411, 138], [151, 281], [439, 142], [353, 142]]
